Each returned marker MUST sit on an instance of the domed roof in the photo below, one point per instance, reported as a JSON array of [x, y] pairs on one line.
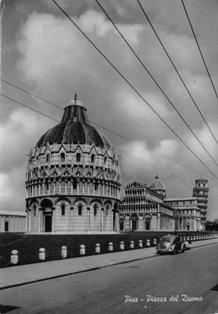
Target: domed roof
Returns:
[[75, 128], [157, 184]]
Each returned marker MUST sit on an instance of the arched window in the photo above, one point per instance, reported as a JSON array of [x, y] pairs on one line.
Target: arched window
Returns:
[[93, 158], [62, 157], [105, 160], [74, 183], [48, 158], [95, 209], [107, 209], [46, 185], [80, 210], [62, 209], [147, 223], [96, 185], [78, 157], [34, 210]]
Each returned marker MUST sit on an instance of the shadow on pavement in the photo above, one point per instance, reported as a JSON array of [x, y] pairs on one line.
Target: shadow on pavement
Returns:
[[7, 308]]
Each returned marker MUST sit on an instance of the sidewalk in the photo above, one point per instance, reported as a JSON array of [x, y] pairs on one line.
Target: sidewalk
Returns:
[[20, 275]]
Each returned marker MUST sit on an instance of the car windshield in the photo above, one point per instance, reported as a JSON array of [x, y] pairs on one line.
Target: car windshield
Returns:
[[165, 240]]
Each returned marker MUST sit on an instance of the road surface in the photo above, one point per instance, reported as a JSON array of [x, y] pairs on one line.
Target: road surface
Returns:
[[184, 283]]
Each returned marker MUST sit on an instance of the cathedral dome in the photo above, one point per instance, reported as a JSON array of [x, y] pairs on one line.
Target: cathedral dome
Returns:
[[74, 128], [158, 186]]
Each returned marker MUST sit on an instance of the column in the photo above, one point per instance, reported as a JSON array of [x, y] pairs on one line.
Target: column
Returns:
[[83, 187], [141, 223], [77, 187], [59, 186], [29, 216], [195, 224], [130, 223], [117, 221], [88, 187], [71, 186], [49, 187], [158, 217], [103, 187], [65, 187]]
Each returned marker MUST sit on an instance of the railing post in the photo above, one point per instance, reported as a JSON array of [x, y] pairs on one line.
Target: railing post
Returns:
[[110, 246], [122, 245], [14, 257], [82, 250], [42, 254], [140, 243], [64, 251], [97, 248]]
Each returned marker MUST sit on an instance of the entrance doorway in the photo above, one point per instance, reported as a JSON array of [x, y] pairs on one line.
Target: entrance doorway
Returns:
[[134, 224], [6, 226], [147, 224], [48, 223], [121, 225]]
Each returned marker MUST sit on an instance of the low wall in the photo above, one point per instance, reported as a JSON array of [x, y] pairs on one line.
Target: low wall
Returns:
[[28, 246]]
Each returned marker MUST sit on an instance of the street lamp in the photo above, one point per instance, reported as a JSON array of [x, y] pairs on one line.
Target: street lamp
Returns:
[[176, 220]]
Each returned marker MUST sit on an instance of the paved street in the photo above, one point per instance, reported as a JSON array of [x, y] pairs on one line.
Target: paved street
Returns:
[[168, 279]]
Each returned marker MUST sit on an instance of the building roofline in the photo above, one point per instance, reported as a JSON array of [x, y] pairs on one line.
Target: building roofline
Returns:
[[180, 199], [135, 180], [12, 213]]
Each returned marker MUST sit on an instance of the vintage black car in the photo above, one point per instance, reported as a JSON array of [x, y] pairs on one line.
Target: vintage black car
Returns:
[[170, 244]]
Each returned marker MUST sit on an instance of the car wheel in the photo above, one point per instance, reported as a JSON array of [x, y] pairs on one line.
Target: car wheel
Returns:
[[183, 249], [174, 252]]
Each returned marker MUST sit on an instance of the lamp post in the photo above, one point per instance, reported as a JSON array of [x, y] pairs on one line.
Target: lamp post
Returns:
[[176, 220]]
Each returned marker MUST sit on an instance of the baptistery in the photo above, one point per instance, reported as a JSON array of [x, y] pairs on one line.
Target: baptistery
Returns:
[[73, 178]]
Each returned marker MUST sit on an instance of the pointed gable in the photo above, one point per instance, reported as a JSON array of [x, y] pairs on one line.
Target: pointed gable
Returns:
[[135, 184]]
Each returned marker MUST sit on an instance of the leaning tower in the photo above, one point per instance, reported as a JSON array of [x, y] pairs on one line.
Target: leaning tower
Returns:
[[201, 192]]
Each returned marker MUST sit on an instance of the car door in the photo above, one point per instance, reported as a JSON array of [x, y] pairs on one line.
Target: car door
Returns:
[[177, 243]]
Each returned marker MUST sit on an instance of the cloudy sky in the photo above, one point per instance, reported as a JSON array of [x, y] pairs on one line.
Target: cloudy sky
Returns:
[[44, 53]]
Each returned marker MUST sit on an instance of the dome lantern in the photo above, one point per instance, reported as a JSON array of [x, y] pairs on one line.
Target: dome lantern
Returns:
[[158, 186]]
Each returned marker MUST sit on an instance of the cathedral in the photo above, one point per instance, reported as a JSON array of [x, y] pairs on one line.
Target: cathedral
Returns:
[[146, 208], [73, 178], [143, 208]]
